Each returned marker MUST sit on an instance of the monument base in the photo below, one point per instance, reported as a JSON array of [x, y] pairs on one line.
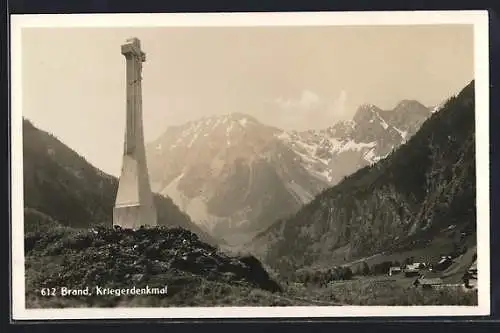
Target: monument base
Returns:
[[134, 216]]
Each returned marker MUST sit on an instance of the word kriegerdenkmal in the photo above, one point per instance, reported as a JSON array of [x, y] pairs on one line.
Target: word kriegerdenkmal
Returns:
[[104, 291]]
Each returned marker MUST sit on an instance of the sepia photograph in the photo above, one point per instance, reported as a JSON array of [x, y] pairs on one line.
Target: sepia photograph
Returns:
[[250, 165]]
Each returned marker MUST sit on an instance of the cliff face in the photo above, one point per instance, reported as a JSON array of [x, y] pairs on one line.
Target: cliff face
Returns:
[[404, 201]]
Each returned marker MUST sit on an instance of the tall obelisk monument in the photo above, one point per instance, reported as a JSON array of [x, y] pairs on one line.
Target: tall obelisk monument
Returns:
[[134, 204]]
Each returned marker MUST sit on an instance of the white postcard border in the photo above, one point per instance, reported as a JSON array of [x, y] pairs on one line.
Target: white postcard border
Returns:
[[479, 19]]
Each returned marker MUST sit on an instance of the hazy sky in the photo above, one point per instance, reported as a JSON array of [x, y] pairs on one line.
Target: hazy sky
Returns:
[[73, 79]]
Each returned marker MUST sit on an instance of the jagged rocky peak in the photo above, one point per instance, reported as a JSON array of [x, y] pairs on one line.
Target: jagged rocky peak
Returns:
[[241, 117], [407, 115], [366, 113], [227, 119], [405, 106], [217, 131], [408, 104], [342, 128], [367, 107]]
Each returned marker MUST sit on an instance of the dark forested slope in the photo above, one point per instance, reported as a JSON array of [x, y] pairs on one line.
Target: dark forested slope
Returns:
[[61, 187]]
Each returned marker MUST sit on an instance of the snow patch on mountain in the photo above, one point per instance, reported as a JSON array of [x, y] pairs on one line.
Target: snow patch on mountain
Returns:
[[403, 134], [195, 136], [243, 122], [318, 151], [382, 121], [229, 129], [351, 145], [370, 156], [323, 174], [437, 108]]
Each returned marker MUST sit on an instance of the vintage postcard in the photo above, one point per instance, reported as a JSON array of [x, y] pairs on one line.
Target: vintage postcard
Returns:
[[250, 165]]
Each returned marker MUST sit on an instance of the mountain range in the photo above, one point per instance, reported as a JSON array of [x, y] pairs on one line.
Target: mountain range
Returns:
[[235, 176], [420, 197]]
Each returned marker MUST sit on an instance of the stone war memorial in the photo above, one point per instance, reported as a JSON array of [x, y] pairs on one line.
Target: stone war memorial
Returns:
[[134, 205]]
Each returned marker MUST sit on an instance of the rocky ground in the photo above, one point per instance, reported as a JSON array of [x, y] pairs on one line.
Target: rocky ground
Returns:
[[123, 258]]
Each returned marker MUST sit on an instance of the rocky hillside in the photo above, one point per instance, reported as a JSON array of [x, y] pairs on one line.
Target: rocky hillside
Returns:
[[123, 258], [404, 201], [234, 175], [62, 188]]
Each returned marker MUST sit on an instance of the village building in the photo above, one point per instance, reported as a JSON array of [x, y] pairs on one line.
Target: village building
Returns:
[[470, 277], [473, 269], [394, 270], [416, 266], [412, 270], [443, 263], [428, 283]]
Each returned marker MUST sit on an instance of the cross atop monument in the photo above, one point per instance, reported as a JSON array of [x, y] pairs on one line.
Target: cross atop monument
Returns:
[[134, 204], [132, 49]]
